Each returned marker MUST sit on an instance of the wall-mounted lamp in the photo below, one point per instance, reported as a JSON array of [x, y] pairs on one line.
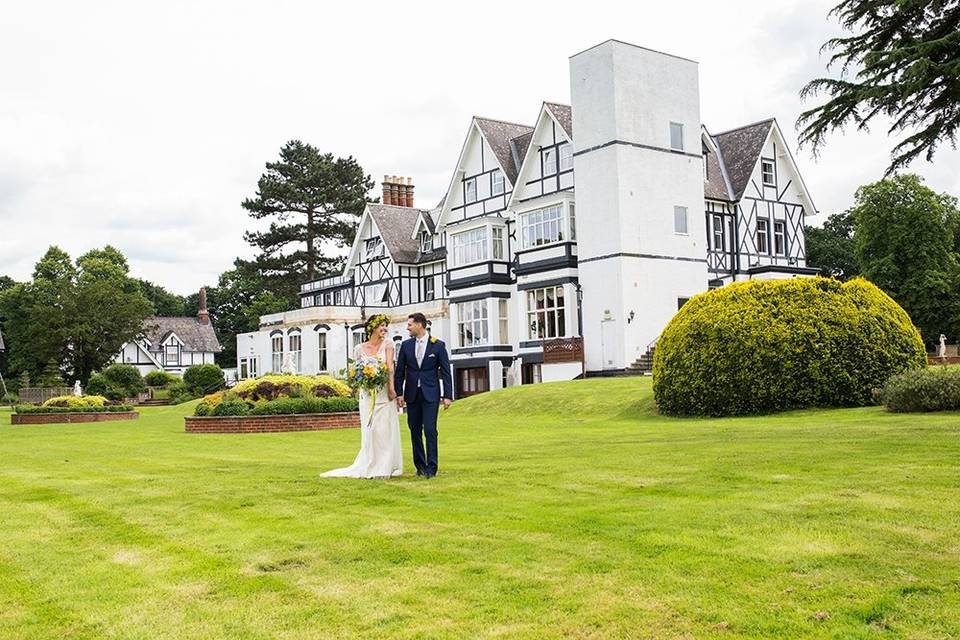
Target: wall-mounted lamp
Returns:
[[630, 317]]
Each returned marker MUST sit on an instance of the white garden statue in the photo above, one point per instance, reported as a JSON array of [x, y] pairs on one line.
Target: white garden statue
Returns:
[[943, 346], [77, 389], [288, 366]]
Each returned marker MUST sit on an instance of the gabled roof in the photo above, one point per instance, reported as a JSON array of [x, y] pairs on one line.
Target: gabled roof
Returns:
[[195, 335], [717, 184], [520, 144], [397, 226], [498, 135], [564, 115], [740, 150]]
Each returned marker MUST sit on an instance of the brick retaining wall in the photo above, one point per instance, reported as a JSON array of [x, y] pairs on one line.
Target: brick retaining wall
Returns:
[[271, 424], [71, 418]]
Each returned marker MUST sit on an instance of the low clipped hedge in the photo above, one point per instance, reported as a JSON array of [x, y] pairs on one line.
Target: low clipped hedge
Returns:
[[76, 401], [110, 408], [931, 389], [279, 407], [773, 345]]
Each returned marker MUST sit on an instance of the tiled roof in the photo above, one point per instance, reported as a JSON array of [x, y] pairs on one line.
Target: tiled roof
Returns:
[[195, 335], [396, 225], [740, 149], [520, 145], [499, 134], [564, 116], [715, 186]]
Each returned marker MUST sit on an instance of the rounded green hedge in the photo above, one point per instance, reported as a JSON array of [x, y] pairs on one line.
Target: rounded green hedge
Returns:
[[773, 345]]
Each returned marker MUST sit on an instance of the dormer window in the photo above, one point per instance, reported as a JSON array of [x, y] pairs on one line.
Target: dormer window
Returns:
[[768, 169], [549, 162], [470, 190], [498, 183], [426, 242], [374, 248]]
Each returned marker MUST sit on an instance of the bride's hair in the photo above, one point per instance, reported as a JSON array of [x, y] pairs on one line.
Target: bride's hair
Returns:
[[376, 321]]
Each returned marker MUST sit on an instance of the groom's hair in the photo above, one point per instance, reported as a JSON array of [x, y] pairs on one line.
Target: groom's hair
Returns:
[[419, 318]]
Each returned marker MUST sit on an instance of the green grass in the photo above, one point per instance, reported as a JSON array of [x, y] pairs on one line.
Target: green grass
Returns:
[[562, 510]]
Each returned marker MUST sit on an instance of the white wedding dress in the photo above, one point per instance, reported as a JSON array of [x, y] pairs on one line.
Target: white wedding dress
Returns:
[[380, 452]]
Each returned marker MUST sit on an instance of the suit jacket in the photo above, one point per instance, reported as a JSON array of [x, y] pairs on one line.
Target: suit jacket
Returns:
[[435, 367]]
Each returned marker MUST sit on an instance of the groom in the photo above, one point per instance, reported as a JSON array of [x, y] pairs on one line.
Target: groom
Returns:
[[421, 365]]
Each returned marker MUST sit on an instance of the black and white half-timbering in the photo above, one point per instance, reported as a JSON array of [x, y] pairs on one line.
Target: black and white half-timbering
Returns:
[[566, 245]]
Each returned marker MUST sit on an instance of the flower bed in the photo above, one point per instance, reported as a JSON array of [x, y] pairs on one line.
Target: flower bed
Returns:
[[271, 424]]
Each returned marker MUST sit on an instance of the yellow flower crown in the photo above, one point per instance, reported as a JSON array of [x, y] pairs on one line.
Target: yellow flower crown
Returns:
[[376, 321]]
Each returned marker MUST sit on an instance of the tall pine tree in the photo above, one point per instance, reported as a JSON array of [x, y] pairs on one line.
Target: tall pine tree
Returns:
[[312, 201]]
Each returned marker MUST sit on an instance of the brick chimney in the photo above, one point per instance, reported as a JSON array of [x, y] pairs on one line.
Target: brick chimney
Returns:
[[397, 191], [203, 315]]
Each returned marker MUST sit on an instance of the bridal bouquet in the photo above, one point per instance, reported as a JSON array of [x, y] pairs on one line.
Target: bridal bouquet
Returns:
[[367, 373]]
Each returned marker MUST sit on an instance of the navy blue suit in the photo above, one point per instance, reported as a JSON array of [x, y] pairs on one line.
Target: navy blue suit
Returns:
[[420, 387]]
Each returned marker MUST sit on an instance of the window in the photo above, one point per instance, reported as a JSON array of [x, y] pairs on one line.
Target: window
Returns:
[[472, 322], [530, 374], [375, 294], [426, 242], [428, 289], [573, 222], [374, 248], [549, 161], [294, 340], [472, 380], [543, 226], [706, 167], [762, 231], [504, 307], [470, 190], [718, 243], [545, 313], [780, 238], [676, 136], [680, 220], [322, 351], [566, 156], [171, 354], [359, 335], [768, 170], [497, 242], [248, 368], [277, 349], [470, 246], [498, 183]]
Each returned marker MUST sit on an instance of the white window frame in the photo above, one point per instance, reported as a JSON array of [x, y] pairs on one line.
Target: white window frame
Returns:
[[426, 241], [167, 353], [374, 248], [496, 238], [503, 308], [762, 237], [676, 127], [470, 246], [322, 354], [718, 231], [546, 321], [357, 337], [566, 156], [542, 227], [429, 289], [681, 213], [276, 356], [298, 352], [549, 162], [779, 238], [472, 317], [764, 164], [498, 183], [470, 191]]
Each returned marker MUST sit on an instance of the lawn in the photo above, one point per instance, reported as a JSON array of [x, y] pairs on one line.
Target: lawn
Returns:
[[561, 510]]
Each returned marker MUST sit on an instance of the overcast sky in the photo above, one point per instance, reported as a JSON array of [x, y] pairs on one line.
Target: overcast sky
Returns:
[[144, 125]]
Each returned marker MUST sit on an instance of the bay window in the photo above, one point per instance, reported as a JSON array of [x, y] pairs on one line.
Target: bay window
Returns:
[[504, 308], [497, 233], [472, 323], [546, 226], [545, 313], [470, 246]]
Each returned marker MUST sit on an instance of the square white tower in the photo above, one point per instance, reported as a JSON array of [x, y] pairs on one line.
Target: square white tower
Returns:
[[640, 224]]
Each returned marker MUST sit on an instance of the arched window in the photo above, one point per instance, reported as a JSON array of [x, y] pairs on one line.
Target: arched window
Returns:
[[276, 349], [295, 345], [322, 360]]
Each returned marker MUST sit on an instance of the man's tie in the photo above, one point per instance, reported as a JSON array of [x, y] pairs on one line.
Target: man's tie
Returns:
[[420, 350]]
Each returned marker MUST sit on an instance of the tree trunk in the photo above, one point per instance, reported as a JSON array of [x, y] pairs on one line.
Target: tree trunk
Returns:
[[311, 257]]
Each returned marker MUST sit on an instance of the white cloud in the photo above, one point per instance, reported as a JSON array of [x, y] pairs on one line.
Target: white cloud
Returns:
[[145, 126]]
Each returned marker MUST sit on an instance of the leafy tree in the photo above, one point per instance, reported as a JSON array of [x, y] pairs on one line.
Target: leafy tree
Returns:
[[905, 241], [72, 317], [164, 302], [906, 58], [830, 248], [6, 282], [312, 201]]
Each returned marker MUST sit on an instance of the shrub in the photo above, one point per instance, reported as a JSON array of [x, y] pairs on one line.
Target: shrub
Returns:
[[10, 398], [109, 408], [229, 405], [179, 393], [160, 379], [279, 386], [118, 381], [76, 401], [203, 378], [231, 408], [762, 346], [931, 389]]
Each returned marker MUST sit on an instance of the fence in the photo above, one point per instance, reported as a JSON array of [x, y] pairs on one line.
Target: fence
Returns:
[[39, 395], [562, 350]]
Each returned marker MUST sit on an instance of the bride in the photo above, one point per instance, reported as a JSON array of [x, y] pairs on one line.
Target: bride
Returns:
[[379, 455]]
